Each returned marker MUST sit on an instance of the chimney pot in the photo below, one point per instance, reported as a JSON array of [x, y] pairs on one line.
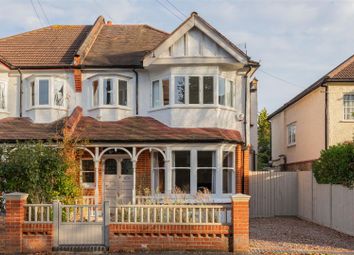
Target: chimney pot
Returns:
[[109, 23]]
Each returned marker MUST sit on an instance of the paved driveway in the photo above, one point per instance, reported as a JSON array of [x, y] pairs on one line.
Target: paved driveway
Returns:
[[285, 234]]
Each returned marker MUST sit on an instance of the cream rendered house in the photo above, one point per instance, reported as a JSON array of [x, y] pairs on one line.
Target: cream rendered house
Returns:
[[320, 116], [161, 111]]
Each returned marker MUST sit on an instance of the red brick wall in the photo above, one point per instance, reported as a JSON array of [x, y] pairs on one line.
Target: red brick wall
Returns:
[[132, 237], [239, 168], [246, 169], [240, 223], [143, 172], [37, 238], [2, 234]]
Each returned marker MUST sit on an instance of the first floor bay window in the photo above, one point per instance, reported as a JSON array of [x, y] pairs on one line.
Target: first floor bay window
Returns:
[[227, 172], [158, 168], [46, 92], [108, 91], [194, 90], [180, 89], [226, 92], [208, 89], [206, 168], [58, 93], [123, 92], [95, 93], [87, 172], [2, 96], [43, 92], [156, 94], [181, 171]]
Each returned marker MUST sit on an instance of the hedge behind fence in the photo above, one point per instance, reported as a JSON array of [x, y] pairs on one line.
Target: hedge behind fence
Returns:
[[336, 165]]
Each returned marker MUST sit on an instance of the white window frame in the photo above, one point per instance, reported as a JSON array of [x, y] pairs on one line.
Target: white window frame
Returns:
[[291, 134], [106, 92], [229, 168], [212, 168], [4, 83], [350, 108], [155, 177], [191, 166], [88, 185]]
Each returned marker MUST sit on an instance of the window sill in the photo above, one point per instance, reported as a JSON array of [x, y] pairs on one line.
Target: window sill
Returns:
[[291, 145], [46, 107], [346, 121], [109, 107], [193, 106], [88, 185], [4, 111]]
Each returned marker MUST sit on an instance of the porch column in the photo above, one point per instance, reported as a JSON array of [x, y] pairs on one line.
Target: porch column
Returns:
[[134, 176], [219, 172], [97, 165], [168, 171]]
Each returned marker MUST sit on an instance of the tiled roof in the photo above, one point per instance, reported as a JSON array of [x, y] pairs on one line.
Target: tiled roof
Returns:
[[128, 130], [147, 129], [49, 46], [17, 129], [123, 45], [344, 70]]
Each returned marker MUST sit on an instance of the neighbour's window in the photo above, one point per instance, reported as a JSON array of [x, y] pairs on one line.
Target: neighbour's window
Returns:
[[95, 90], [108, 91], [155, 94], [227, 171], [127, 167], [123, 92], [208, 89], [348, 101], [2, 96], [58, 93], [158, 165], [88, 171], [180, 89], [292, 134], [181, 171], [43, 88], [194, 90], [166, 91], [33, 93], [110, 166], [221, 91], [206, 168]]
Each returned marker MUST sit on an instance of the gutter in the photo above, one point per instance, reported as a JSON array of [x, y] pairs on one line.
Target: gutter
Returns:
[[21, 91], [136, 92]]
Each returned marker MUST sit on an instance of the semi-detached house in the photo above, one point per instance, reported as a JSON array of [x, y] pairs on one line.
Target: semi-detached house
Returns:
[[160, 111]]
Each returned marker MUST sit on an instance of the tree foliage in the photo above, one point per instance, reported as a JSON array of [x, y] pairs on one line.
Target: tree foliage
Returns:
[[336, 165], [39, 170], [263, 139]]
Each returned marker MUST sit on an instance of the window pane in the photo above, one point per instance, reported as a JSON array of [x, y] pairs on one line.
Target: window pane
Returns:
[[95, 93], [193, 90], [88, 171], [181, 159], [59, 93], [33, 91], [123, 92], [229, 93], [43, 92], [88, 177], [88, 165], [206, 158], [227, 181], [166, 92], [227, 159], [110, 166], [208, 90], [348, 101], [127, 167], [2, 96], [159, 180], [182, 180], [221, 91], [180, 90], [205, 180], [158, 160], [155, 94], [108, 91]]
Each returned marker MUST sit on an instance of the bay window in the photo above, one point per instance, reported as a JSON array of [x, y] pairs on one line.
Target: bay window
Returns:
[[206, 169], [181, 170], [158, 168], [87, 172], [108, 91], [348, 101], [2, 95], [123, 92], [208, 89], [221, 91], [193, 89], [180, 89], [166, 91], [58, 93], [95, 93], [227, 172], [156, 94], [33, 93], [43, 92]]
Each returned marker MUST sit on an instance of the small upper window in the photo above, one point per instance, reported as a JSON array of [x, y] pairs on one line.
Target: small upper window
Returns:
[[95, 94], [348, 101], [292, 134], [108, 91], [156, 94], [2, 96], [123, 92], [59, 92], [43, 88]]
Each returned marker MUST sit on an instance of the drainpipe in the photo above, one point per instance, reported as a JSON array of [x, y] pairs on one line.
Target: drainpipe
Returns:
[[246, 109], [21, 91], [136, 92], [326, 115]]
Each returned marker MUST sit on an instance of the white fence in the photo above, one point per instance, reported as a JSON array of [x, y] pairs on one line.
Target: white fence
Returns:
[[298, 194]]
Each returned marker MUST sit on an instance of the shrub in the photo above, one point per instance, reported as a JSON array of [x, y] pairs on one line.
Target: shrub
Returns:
[[336, 165]]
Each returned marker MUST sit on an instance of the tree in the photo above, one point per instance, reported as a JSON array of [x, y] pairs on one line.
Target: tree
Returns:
[[40, 170], [263, 139]]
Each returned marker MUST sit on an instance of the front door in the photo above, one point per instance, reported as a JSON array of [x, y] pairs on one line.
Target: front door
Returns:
[[118, 180]]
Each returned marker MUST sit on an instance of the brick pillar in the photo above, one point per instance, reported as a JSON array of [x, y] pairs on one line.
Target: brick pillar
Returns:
[[15, 217], [240, 222], [239, 168], [246, 170]]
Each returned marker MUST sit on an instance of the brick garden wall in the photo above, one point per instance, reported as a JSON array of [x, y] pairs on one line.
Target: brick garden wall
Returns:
[[37, 238], [130, 237], [2, 234]]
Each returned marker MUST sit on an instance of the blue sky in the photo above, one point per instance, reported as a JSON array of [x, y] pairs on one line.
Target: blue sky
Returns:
[[296, 41]]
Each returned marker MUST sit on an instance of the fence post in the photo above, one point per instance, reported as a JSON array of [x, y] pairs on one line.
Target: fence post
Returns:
[[15, 217], [106, 220], [240, 222], [56, 208]]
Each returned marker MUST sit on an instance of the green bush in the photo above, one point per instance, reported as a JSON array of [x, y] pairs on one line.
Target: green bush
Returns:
[[336, 165]]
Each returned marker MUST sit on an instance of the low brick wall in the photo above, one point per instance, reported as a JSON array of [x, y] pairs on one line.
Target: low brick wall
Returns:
[[2, 234], [37, 238], [131, 237]]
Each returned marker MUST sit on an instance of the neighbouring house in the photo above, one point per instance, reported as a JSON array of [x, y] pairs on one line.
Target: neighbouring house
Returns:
[[159, 111], [318, 117]]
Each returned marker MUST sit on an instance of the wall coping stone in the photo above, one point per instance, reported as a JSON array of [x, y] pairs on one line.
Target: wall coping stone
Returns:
[[239, 197], [16, 196]]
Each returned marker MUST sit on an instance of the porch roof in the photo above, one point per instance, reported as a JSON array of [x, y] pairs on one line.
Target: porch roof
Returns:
[[128, 130]]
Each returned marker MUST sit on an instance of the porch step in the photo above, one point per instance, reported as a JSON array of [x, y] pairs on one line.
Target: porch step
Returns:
[[97, 249]]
